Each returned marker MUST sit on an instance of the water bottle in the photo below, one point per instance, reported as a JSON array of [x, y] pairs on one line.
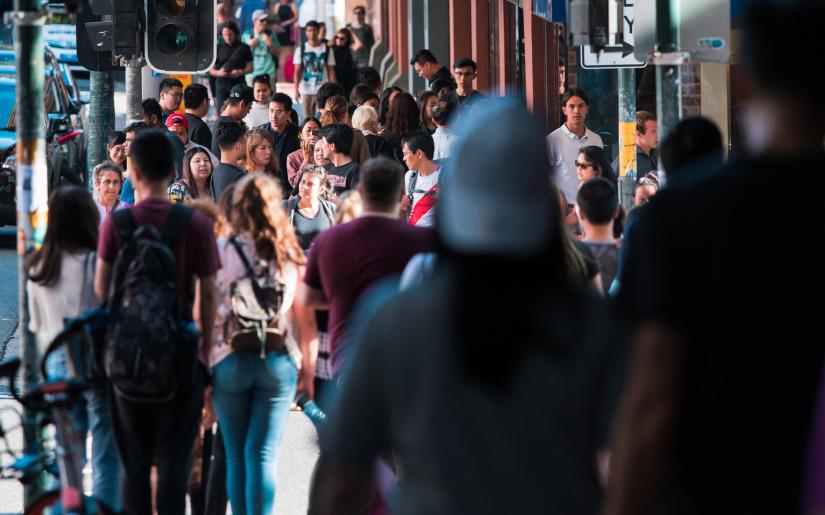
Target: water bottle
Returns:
[[311, 410]]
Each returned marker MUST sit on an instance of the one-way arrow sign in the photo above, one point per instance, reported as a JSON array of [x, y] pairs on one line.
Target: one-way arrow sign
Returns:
[[615, 56]]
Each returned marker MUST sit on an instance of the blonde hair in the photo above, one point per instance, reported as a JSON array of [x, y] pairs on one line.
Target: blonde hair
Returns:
[[363, 116], [321, 172], [257, 211], [335, 110], [255, 138], [350, 206]]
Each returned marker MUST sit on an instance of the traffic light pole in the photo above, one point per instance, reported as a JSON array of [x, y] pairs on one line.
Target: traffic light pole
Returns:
[[133, 88], [627, 135], [101, 119], [32, 185], [668, 71]]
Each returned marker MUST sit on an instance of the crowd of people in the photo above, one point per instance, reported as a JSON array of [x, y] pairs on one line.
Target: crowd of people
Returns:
[[547, 350]]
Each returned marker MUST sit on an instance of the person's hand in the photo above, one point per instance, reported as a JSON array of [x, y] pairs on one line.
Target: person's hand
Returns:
[[266, 39], [253, 42], [306, 382], [236, 73], [308, 149], [405, 203], [208, 417], [298, 95]]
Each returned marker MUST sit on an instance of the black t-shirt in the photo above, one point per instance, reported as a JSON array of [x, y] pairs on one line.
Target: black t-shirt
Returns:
[[230, 58], [344, 177], [742, 286], [224, 176], [470, 99], [199, 131]]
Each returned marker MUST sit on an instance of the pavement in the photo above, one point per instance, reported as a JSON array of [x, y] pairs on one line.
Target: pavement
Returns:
[[298, 450]]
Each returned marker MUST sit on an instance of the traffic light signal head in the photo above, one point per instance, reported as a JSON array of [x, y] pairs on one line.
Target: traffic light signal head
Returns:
[[180, 35]]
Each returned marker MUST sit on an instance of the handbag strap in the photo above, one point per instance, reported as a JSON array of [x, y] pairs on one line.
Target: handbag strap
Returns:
[[241, 254], [83, 287]]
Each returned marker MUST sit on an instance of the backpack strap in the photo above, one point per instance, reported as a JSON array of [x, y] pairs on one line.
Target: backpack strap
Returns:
[[241, 254], [410, 189], [176, 222], [125, 224]]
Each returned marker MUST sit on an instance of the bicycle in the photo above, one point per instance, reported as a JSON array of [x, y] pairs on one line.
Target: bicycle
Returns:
[[55, 399]]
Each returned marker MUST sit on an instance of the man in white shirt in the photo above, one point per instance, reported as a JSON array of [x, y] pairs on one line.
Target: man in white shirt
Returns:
[[443, 137], [261, 91], [563, 144], [312, 61], [421, 181]]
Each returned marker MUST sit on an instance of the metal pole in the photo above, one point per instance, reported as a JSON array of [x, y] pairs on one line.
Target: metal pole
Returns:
[[627, 136], [133, 89], [101, 119], [668, 73], [32, 186]]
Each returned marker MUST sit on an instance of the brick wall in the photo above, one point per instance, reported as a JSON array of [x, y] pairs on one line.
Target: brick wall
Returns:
[[691, 90]]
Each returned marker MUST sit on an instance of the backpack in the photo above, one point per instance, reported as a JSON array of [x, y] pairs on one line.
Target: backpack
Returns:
[[149, 349], [255, 305]]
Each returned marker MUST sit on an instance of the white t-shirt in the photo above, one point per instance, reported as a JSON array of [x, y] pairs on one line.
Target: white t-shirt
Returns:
[[563, 150], [421, 190], [258, 115], [315, 60], [70, 296]]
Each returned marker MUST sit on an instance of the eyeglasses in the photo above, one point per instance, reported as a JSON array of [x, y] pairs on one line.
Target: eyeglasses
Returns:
[[465, 74], [583, 166], [175, 95]]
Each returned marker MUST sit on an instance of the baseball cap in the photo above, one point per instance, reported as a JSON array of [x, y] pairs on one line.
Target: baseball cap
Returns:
[[259, 14], [496, 194], [241, 91], [177, 120]]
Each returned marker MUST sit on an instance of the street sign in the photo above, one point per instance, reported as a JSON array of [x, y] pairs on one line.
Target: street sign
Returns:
[[618, 56]]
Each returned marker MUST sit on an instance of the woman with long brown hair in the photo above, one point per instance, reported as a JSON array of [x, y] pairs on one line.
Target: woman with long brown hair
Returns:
[[60, 286], [197, 174], [260, 153], [254, 385], [402, 119]]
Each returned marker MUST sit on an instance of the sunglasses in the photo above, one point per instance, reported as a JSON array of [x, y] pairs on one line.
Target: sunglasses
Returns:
[[583, 166]]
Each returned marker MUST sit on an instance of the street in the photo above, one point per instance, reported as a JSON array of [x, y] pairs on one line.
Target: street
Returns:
[[298, 450]]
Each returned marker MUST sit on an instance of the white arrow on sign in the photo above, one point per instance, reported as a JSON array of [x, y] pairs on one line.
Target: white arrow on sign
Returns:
[[614, 56]]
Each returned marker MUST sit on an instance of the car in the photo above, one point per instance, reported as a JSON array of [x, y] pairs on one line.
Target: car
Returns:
[[63, 123]]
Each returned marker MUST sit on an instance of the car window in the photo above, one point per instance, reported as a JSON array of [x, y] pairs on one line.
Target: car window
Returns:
[[7, 97]]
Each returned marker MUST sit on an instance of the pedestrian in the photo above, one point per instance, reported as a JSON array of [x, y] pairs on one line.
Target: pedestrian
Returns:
[[347, 259], [643, 191], [285, 134], [261, 92], [304, 155], [692, 151], [114, 147], [369, 77], [443, 137], [700, 429], [196, 107], [232, 62], [402, 120], [421, 180], [265, 48], [336, 110], [314, 65], [319, 153], [254, 381], [60, 286], [178, 124], [108, 180], [231, 140], [385, 101], [235, 109], [161, 432], [597, 207], [336, 147], [344, 65], [127, 192], [647, 140], [325, 92], [196, 179], [260, 156], [311, 212], [426, 66], [286, 14], [563, 144], [426, 101], [363, 38], [170, 93], [363, 95], [591, 162], [151, 113], [465, 71], [426, 374], [365, 119]]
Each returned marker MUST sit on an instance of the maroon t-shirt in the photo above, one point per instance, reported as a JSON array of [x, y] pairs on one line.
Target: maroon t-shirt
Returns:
[[196, 252], [347, 259]]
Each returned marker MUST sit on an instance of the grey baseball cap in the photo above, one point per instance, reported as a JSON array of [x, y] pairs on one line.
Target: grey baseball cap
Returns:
[[496, 192]]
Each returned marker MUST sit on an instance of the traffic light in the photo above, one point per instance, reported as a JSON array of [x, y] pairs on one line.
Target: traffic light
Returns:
[[180, 35], [95, 35]]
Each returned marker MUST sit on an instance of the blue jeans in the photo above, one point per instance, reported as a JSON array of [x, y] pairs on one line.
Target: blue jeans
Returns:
[[105, 459], [252, 399]]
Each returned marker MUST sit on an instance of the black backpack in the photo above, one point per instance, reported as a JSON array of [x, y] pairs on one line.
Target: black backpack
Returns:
[[150, 349]]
